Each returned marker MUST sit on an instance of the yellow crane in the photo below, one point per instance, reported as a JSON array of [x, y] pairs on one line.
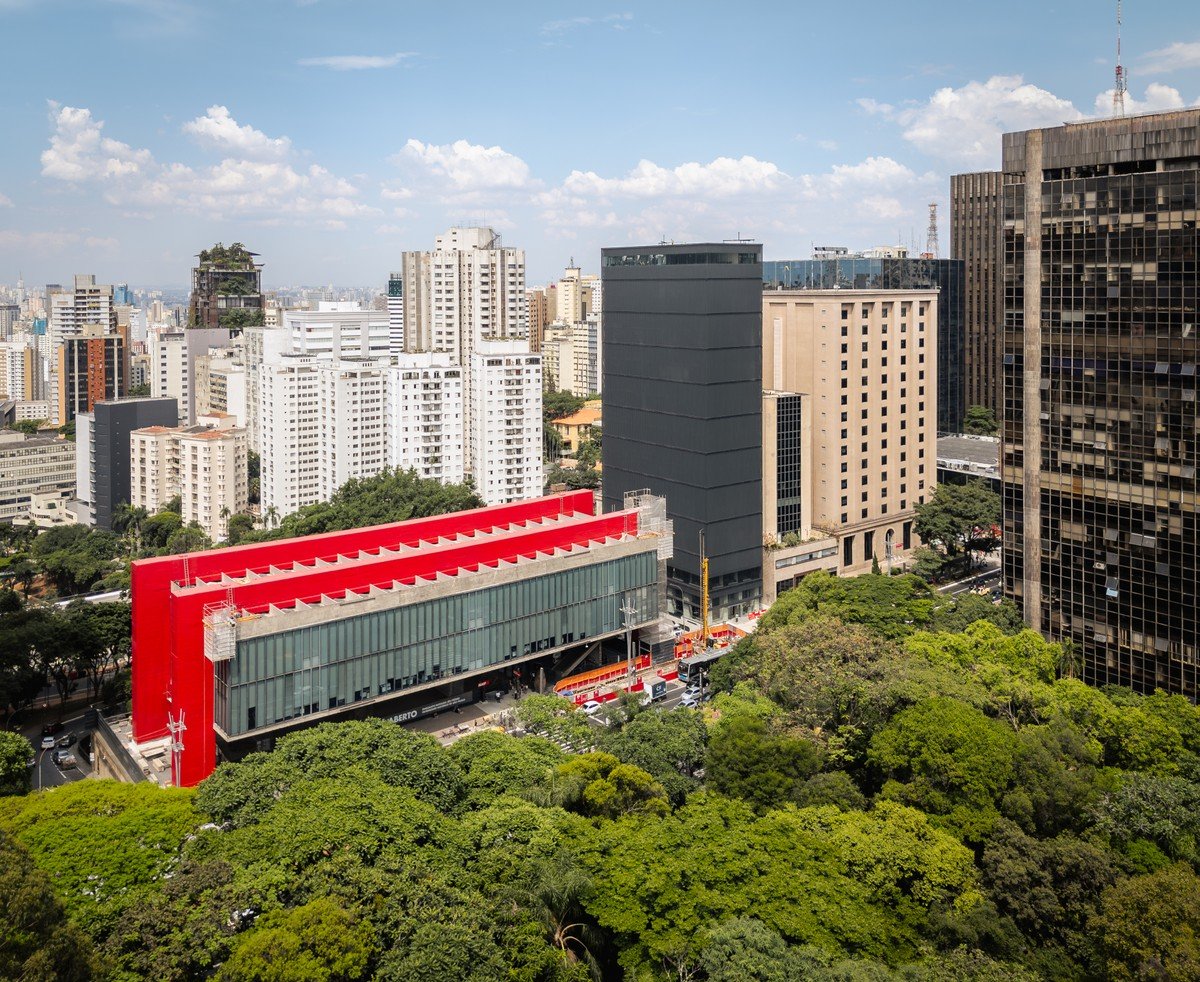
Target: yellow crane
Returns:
[[703, 595]]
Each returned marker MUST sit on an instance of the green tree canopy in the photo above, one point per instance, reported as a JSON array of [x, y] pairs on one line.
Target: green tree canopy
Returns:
[[959, 518], [980, 421]]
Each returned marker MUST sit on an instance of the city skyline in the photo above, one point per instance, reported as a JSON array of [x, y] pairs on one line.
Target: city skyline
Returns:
[[566, 133]]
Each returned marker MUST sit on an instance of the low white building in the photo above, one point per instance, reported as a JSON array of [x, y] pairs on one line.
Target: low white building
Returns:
[[506, 421], [32, 466], [425, 416]]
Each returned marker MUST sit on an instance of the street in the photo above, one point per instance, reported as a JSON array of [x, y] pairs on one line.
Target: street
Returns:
[[46, 774]]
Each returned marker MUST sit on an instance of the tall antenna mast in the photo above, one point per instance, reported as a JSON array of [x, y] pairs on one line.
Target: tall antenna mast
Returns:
[[931, 235], [1120, 82]]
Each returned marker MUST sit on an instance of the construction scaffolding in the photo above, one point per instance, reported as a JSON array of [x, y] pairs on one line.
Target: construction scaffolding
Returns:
[[652, 519]]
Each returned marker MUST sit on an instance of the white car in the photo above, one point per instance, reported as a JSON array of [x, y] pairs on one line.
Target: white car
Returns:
[[591, 707], [690, 700], [47, 743]]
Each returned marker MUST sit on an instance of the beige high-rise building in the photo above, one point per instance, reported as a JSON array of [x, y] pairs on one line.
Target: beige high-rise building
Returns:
[[849, 428], [206, 465], [539, 317], [569, 296]]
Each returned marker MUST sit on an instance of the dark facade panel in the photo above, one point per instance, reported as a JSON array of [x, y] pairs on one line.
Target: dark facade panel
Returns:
[[683, 406], [111, 426], [975, 239], [1099, 363]]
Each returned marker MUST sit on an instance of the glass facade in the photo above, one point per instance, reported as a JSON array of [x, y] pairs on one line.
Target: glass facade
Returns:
[[789, 476], [945, 275], [295, 673], [1101, 429]]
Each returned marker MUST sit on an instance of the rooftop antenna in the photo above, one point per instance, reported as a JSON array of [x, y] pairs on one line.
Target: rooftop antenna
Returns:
[[1120, 82], [931, 235]]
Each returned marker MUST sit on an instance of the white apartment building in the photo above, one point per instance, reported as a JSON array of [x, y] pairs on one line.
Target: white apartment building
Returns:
[[31, 409], [352, 413], [206, 465], [289, 435], [470, 289], [395, 312], [18, 364], [345, 331], [572, 357], [221, 384], [87, 302], [153, 466], [31, 466], [506, 439], [169, 378], [425, 416], [213, 477]]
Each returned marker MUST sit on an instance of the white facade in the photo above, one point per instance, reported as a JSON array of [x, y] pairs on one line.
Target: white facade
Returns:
[[213, 478], [17, 364], [351, 409], [205, 465], [506, 439], [84, 492], [289, 432], [170, 368], [395, 312], [221, 384], [425, 416], [153, 467], [338, 333]]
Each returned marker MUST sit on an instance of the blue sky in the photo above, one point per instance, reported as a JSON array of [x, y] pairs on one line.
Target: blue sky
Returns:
[[330, 135]]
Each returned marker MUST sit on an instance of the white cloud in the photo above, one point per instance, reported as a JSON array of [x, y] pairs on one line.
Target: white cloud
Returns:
[[723, 177], [5, 202], [874, 172], [238, 185], [876, 108], [1180, 54], [218, 130], [354, 63], [829, 145], [964, 125], [1157, 97], [617, 22], [464, 167]]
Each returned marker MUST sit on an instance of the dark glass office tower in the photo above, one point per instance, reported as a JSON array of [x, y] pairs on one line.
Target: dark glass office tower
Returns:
[[909, 273], [1100, 348], [975, 224], [683, 407]]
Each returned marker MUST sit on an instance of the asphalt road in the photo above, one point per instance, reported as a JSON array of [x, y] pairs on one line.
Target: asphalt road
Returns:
[[47, 774]]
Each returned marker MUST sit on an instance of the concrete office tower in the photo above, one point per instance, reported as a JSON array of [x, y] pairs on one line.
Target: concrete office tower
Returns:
[[395, 312], [425, 416], [975, 240], [890, 268], [93, 365], [87, 302], [102, 452], [226, 289], [506, 442], [1099, 367], [683, 407], [850, 427], [290, 431], [352, 411], [30, 468], [10, 313]]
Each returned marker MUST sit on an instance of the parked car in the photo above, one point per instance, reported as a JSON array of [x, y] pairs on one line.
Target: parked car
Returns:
[[66, 739], [66, 761], [689, 701], [51, 728], [47, 743], [591, 707]]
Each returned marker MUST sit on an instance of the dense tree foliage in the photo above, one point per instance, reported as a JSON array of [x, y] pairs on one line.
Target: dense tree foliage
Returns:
[[960, 519], [980, 421], [869, 796], [15, 754]]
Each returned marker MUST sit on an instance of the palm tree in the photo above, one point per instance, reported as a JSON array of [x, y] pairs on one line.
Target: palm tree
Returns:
[[272, 517], [554, 894]]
